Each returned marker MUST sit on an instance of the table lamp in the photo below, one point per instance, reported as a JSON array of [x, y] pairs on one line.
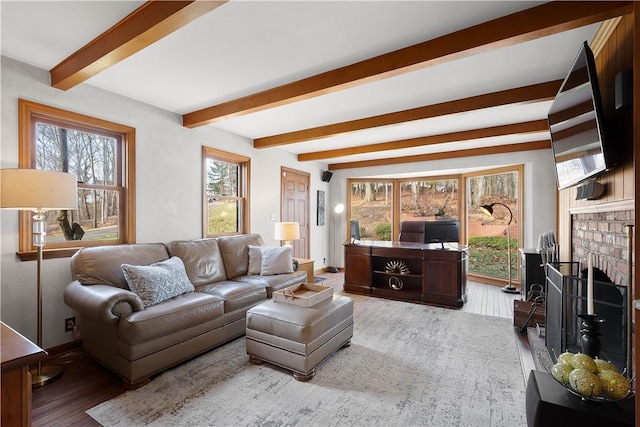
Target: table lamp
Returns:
[[287, 231]]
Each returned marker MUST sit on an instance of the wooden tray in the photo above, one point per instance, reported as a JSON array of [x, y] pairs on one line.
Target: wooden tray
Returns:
[[303, 294]]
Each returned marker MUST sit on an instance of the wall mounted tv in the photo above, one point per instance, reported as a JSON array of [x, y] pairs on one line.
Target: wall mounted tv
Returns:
[[581, 148], [441, 231]]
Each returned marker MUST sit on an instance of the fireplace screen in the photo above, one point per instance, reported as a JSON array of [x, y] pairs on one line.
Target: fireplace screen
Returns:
[[567, 298]]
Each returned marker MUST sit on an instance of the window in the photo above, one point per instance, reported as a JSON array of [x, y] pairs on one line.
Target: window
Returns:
[[429, 200], [371, 203], [101, 155], [493, 242], [225, 193]]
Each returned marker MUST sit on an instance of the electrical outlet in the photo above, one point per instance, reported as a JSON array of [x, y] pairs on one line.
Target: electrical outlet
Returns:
[[324, 260], [69, 324]]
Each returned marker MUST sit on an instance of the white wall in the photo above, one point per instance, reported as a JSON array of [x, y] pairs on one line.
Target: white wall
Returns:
[[168, 180], [539, 189]]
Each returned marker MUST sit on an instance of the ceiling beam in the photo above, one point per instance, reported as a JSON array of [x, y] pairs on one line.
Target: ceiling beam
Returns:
[[532, 93], [541, 21], [497, 149], [146, 25], [516, 128]]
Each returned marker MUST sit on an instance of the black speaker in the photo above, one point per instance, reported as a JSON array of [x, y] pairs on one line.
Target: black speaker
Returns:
[[590, 191], [326, 176], [624, 89]]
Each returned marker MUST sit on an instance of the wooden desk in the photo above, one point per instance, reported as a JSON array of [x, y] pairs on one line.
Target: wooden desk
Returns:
[[16, 354], [307, 265], [430, 274]]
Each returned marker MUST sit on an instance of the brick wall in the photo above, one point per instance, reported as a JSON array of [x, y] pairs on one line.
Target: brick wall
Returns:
[[604, 235]]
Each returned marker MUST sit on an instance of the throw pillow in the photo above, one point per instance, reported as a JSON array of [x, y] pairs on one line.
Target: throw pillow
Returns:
[[255, 259], [159, 281], [276, 261]]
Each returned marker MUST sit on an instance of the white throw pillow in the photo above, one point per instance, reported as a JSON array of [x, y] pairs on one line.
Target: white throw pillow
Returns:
[[276, 261], [159, 281], [255, 259]]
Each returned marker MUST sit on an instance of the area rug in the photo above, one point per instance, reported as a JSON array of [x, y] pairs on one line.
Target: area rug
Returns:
[[408, 365]]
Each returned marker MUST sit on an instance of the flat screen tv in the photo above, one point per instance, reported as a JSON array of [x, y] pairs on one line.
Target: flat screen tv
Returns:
[[354, 230], [581, 147], [441, 231]]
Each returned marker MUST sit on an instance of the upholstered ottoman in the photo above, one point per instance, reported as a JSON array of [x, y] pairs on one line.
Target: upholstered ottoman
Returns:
[[299, 338]]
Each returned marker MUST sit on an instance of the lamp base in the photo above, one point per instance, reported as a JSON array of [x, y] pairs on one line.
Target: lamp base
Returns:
[[46, 375], [334, 270], [510, 289]]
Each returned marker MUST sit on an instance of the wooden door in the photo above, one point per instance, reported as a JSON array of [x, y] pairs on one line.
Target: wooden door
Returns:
[[294, 195]]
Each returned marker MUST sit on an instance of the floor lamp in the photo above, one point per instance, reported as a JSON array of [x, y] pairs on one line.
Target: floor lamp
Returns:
[[488, 209], [38, 191], [336, 213]]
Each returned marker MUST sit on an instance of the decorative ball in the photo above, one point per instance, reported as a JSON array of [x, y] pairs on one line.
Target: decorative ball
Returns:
[[603, 365], [584, 361], [614, 384], [561, 371], [566, 358], [585, 383]]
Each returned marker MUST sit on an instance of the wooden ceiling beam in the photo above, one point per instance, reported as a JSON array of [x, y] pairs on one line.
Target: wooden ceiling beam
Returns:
[[532, 93], [146, 25], [511, 129], [498, 149], [544, 20]]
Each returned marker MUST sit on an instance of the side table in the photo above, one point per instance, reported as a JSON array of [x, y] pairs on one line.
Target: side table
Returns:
[[549, 404], [307, 265], [16, 354]]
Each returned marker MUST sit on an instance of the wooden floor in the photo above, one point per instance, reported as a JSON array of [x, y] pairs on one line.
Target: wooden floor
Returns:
[[85, 384]]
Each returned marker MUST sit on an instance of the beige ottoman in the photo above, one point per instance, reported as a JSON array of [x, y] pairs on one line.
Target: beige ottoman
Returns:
[[299, 338]]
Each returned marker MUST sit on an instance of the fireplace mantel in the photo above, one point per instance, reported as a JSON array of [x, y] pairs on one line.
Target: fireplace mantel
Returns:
[[619, 205]]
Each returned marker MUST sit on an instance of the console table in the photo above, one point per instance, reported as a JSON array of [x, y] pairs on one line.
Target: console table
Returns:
[[17, 353], [414, 272]]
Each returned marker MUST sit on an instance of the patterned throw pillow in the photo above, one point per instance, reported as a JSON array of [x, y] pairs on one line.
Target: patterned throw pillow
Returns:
[[159, 281]]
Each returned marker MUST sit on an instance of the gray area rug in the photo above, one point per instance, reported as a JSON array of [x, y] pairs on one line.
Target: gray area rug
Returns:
[[407, 365]]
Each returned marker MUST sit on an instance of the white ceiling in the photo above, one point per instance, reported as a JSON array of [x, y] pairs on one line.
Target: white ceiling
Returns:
[[244, 47]]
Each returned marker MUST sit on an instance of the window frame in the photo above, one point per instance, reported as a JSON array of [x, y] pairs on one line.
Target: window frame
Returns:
[[28, 114], [244, 180]]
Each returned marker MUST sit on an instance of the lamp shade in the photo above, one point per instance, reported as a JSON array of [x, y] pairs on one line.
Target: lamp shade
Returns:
[[37, 190], [286, 231]]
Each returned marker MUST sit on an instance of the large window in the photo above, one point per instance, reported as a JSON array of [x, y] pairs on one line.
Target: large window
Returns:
[[493, 241], [100, 154], [225, 193], [371, 203], [429, 200]]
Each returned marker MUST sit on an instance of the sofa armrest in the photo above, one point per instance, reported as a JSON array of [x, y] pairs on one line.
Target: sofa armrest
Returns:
[[103, 303]]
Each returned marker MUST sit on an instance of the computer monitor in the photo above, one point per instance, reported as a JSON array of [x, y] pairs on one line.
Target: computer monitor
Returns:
[[354, 230], [442, 231]]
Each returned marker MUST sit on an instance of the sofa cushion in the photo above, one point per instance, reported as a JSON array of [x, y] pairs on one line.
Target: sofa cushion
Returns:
[[100, 265], [159, 281], [176, 314], [235, 252], [202, 260], [255, 259], [236, 295], [276, 261]]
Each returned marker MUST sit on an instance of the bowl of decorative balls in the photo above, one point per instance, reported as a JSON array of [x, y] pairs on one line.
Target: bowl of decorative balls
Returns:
[[591, 379]]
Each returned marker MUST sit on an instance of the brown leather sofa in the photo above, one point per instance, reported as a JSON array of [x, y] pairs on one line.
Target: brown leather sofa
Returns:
[[137, 342]]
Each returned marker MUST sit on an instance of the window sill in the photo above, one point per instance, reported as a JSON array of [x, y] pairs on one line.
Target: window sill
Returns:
[[47, 254]]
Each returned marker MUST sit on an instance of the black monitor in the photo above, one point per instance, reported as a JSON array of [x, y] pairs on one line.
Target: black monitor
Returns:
[[441, 231], [354, 230]]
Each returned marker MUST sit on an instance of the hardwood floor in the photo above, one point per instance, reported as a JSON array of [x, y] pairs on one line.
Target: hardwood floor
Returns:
[[85, 383]]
